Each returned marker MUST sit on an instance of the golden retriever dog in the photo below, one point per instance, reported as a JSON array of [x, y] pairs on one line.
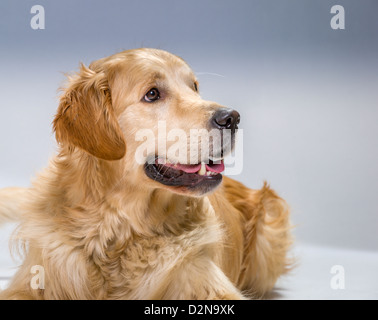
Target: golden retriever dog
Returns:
[[102, 223]]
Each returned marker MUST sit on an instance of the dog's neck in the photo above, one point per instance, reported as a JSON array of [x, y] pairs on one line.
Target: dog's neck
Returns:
[[84, 180]]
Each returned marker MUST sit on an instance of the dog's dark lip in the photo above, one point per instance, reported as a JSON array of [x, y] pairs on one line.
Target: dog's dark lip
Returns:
[[177, 178]]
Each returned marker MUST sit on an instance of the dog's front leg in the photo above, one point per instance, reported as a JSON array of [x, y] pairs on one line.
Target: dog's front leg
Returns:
[[200, 279]]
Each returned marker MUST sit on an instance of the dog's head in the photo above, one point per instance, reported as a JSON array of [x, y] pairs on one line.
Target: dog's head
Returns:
[[142, 109]]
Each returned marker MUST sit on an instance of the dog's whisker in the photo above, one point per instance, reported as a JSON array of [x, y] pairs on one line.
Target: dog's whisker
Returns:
[[210, 74]]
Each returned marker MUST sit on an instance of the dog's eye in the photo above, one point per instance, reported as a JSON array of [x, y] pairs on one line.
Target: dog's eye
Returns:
[[195, 87], [152, 95]]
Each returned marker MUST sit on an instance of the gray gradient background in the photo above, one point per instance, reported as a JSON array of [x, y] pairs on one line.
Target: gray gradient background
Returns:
[[307, 93]]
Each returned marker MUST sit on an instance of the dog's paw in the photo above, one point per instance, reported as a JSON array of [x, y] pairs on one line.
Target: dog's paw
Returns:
[[231, 296]]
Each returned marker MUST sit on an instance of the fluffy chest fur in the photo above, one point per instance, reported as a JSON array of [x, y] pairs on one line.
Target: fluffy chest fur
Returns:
[[119, 248]]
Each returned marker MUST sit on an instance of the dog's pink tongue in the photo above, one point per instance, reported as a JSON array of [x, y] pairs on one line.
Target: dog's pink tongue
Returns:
[[218, 168], [188, 168], [193, 168]]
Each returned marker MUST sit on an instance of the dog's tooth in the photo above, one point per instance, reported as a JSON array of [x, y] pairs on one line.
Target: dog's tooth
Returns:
[[208, 173], [202, 171]]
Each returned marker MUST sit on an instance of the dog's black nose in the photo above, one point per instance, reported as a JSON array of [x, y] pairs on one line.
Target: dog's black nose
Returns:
[[226, 119]]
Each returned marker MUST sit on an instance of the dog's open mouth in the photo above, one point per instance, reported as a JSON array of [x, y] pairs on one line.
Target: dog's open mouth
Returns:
[[202, 176]]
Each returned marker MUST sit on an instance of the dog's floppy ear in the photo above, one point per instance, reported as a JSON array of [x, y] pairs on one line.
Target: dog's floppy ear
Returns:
[[86, 118]]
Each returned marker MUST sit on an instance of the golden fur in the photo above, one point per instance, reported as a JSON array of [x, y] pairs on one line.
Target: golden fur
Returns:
[[103, 230]]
